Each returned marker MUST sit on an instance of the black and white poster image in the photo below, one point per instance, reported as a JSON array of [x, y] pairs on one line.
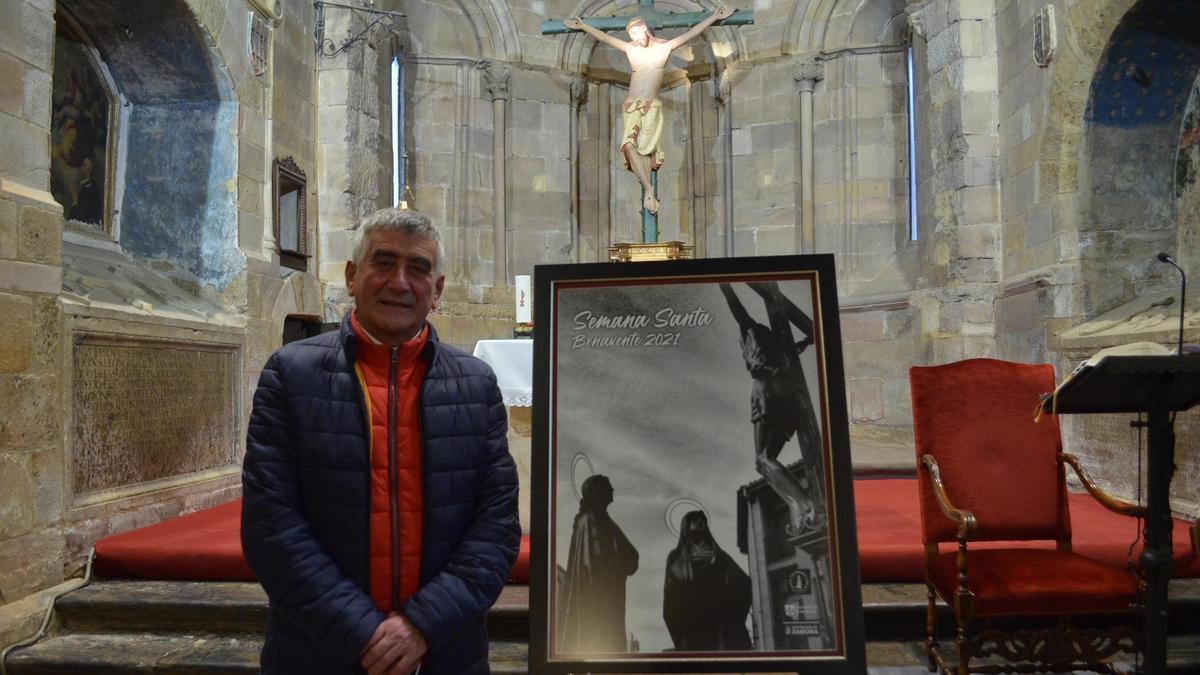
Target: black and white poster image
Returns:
[[692, 512]]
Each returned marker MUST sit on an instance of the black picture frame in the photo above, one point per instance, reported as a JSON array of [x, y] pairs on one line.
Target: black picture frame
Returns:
[[642, 370], [290, 189]]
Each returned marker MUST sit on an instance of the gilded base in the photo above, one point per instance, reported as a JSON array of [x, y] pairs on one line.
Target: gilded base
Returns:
[[666, 250]]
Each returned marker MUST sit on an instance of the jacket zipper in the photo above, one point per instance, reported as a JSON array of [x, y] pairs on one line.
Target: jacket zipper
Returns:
[[429, 354], [394, 477]]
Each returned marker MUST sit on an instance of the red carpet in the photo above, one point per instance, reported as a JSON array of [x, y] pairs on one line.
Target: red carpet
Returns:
[[889, 533], [206, 545], [201, 546]]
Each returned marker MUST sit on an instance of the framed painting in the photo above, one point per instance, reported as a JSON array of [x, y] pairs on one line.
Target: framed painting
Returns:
[[692, 506], [82, 130]]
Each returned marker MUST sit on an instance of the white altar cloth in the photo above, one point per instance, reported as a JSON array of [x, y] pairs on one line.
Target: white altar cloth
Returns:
[[513, 362]]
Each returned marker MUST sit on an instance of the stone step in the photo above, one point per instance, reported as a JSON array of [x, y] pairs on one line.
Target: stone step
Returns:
[[890, 611], [509, 657], [216, 607], [122, 653], [897, 611], [216, 627], [157, 606], [908, 658], [181, 654], [177, 654]]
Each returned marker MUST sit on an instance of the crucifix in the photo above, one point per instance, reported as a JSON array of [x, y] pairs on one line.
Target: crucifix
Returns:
[[641, 114]]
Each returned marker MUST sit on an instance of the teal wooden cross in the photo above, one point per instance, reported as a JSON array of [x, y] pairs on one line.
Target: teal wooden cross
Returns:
[[647, 59], [655, 19]]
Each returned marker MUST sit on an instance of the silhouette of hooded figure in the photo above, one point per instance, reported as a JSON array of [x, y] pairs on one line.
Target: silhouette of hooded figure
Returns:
[[706, 595]]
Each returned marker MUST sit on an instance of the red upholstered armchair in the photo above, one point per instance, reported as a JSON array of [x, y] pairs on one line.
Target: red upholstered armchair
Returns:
[[989, 473]]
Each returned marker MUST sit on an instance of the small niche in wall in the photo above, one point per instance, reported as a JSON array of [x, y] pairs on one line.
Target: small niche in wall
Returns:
[[299, 327], [291, 214]]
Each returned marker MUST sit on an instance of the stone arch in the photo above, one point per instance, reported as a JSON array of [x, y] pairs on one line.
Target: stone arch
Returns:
[[871, 22], [490, 27], [878, 23], [1128, 147], [806, 26], [576, 52], [828, 25], [176, 169]]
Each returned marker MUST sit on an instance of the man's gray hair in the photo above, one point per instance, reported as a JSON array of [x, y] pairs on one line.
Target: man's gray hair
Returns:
[[408, 221]]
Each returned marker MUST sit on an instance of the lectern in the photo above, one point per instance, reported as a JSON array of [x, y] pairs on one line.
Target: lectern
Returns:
[[1156, 386]]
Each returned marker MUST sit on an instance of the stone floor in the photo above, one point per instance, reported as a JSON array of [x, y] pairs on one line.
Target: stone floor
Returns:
[[874, 459]]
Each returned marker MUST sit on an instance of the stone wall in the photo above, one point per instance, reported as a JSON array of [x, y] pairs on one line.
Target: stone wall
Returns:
[[76, 306], [32, 550], [538, 171], [861, 141], [960, 241]]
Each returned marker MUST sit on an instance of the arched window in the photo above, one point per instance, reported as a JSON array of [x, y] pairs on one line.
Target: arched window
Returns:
[[912, 146], [399, 141], [82, 129]]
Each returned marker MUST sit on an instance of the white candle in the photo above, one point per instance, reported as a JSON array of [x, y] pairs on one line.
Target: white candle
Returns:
[[524, 302]]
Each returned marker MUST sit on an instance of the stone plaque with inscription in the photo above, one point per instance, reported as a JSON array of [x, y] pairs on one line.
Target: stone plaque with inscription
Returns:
[[150, 411]]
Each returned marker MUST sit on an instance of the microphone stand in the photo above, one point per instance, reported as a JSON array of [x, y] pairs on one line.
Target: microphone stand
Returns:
[[1164, 258]]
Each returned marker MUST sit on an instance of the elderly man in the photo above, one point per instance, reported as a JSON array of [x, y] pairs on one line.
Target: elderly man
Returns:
[[380, 501]]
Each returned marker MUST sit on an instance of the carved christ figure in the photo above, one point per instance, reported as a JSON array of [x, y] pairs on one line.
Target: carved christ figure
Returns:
[[641, 114], [780, 406]]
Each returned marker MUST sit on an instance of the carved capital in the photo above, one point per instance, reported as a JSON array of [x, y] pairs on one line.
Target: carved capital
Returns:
[[495, 80], [916, 26], [809, 73], [579, 91]]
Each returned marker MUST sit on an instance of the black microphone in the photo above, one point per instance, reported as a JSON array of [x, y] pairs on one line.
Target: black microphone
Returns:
[[1164, 258]]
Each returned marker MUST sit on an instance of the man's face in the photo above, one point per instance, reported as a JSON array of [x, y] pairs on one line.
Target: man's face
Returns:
[[395, 287], [639, 34]]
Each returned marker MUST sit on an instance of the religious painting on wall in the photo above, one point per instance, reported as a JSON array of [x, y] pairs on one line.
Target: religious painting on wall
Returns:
[[692, 507], [80, 129]]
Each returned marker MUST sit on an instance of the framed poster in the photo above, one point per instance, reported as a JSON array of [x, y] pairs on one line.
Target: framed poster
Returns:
[[692, 506]]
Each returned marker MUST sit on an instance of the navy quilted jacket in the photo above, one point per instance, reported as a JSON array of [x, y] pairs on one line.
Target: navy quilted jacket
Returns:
[[306, 502]]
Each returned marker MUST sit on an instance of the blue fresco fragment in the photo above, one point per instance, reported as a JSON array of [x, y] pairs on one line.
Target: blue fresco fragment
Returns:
[[156, 51], [1147, 70], [179, 202]]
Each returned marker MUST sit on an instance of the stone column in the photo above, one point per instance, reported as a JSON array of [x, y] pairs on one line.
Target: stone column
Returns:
[[268, 251], [495, 83], [33, 549], [724, 96], [697, 193], [604, 122], [959, 245], [810, 72], [579, 92], [349, 165]]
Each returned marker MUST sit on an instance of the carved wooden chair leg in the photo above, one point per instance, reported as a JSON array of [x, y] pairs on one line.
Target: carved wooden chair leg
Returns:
[[964, 606], [931, 626], [962, 649], [964, 609]]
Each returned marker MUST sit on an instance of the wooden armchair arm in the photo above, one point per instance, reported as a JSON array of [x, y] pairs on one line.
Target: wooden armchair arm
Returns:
[[965, 519], [1106, 500]]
